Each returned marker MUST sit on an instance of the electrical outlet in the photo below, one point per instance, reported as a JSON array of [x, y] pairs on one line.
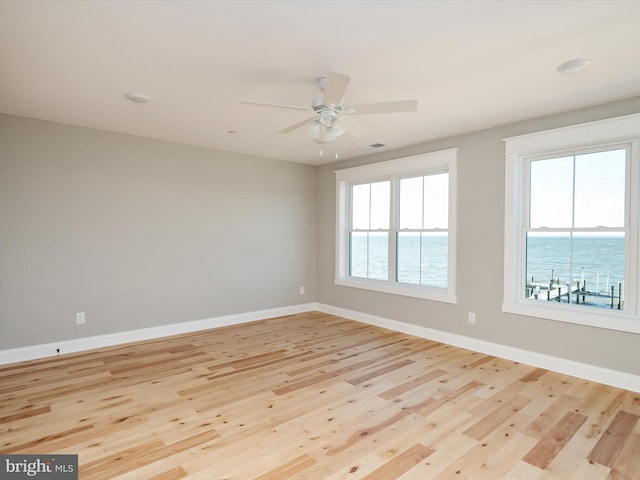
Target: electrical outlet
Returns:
[[301, 290], [80, 318], [472, 317]]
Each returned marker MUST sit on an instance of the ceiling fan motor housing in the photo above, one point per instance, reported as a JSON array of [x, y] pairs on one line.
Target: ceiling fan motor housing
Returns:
[[318, 105]]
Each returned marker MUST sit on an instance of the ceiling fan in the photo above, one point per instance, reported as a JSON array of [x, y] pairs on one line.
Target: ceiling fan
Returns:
[[330, 119]]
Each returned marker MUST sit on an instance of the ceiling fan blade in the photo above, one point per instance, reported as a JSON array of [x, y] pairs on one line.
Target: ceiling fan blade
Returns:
[[335, 86], [295, 126], [276, 105], [354, 128], [385, 107]]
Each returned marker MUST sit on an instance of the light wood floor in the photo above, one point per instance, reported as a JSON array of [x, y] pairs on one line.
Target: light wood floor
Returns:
[[314, 396]]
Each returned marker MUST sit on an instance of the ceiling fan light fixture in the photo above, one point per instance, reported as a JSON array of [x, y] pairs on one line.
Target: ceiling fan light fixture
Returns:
[[324, 134], [337, 127], [326, 137], [314, 129]]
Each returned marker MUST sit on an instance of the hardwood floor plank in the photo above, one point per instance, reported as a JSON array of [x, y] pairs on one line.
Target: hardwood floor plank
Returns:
[[51, 442], [491, 421], [534, 375], [174, 474], [476, 462], [412, 384], [375, 428], [381, 371], [523, 471], [250, 360], [502, 463], [400, 464], [290, 469], [499, 395], [551, 416], [613, 439], [325, 376], [548, 447], [132, 458], [627, 463], [479, 361], [435, 403], [423, 408], [608, 405], [27, 412], [448, 447]]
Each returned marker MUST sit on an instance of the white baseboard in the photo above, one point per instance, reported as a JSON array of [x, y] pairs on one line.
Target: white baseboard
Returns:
[[585, 371], [81, 344]]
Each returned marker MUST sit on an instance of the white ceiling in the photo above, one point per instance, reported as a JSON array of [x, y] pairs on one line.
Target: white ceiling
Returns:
[[470, 64]]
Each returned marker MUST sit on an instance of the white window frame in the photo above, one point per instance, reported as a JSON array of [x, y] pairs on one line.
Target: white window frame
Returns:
[[519, 151], [418, 165]]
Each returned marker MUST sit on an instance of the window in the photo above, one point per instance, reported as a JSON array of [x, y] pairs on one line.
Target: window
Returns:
[[396, 226], [571, 224]]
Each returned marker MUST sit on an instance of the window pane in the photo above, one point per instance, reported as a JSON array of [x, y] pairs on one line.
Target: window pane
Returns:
[[551, 198], [598, 260], [369, 255], [436, 201], [360, 197], [422, 259], [592, 263], [359, 254], [408, 263], [435, 260], [548, 265], [600, 189], [379, 256], [411, 200], [380, 205]]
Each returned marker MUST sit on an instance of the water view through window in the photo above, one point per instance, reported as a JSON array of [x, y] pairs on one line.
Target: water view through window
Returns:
[[575, 243], [419, 246], [583, 269], [422, 257]]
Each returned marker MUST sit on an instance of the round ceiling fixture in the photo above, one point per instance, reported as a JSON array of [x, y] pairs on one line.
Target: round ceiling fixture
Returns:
[[573, 66], [138, 97]]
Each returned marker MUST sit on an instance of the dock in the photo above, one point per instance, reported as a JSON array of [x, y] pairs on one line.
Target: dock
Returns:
[[574, 293]]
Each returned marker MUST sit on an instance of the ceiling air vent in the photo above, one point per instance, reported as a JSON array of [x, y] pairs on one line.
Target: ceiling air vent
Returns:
[[377, 145]]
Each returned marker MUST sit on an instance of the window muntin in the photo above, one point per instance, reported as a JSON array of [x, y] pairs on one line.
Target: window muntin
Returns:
[[575, 242], [423, 259], [584, 190], [551, 198], [371, 206], [424, 202], [579, 216], [421, 253], [369, 237], [394, 230], [585, 269], [422, 242]]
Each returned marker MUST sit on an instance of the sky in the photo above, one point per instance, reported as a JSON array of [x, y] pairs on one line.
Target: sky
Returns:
[[423, 203], [581, 191], [584, 191]]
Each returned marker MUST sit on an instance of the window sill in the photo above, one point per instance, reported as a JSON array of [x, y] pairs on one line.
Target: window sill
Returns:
[[595, 317], [439, 295]]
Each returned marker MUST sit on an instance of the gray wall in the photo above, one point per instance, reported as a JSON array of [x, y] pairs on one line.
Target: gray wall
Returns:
[[479, 255], [138, 233]]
